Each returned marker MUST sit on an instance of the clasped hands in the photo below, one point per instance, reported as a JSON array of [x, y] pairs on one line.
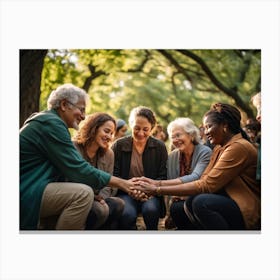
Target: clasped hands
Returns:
[[143, 188]]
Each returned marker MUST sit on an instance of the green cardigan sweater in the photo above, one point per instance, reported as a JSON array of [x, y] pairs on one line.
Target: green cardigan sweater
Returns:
[[47, 154]]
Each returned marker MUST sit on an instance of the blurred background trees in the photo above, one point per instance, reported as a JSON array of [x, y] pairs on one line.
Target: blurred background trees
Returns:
[[173, 83]]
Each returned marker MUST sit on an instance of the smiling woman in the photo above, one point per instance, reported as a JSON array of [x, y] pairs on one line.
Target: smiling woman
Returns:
[[140, 155], [93, 141], [185, 163], [227, 195]]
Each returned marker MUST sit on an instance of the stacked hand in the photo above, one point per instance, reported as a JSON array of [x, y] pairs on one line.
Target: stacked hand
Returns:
[[144, 185], [134, 192]]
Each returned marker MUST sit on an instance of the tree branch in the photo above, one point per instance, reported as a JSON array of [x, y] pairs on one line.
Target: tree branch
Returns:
[[94, 74], [228, 91], [175, 64]]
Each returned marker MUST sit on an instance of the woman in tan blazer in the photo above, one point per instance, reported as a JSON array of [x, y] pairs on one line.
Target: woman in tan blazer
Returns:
[[227, 196]]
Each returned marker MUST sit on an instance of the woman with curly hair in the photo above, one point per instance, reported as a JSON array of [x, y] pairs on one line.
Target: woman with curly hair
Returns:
[[93, 141]]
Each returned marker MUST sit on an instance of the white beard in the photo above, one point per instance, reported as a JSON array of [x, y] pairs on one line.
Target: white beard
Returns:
[[75, 126]]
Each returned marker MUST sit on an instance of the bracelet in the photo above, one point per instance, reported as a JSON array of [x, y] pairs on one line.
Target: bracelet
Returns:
[[159, 183], [158, 191]]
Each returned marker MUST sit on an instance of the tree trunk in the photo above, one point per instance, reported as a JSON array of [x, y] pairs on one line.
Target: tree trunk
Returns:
[[31, 65]]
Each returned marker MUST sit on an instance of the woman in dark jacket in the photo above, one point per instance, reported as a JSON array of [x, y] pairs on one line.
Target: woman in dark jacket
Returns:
[[141, 155]]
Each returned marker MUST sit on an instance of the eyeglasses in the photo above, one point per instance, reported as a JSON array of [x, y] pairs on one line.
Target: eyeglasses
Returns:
[[176, 136], [82, 110]]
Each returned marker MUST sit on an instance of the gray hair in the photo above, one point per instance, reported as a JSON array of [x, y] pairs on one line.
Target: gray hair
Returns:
[[188, 126], [67, 92]]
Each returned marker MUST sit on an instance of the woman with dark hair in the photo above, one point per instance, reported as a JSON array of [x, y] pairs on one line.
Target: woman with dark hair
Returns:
[[93, 142], [227, 196], [141, 155], [121, 129]]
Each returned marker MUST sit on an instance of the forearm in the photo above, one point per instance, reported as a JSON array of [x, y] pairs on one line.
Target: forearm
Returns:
[[119, 183], [170, 182], [179, 190]]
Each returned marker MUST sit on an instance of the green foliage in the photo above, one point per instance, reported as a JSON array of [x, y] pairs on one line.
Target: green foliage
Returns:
[[128, 78]]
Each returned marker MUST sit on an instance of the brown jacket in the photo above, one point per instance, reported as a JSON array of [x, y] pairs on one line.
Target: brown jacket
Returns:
[[233, 168]]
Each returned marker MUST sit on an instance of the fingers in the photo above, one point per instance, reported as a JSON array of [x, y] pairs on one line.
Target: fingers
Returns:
[[138, 195], [137, 180]]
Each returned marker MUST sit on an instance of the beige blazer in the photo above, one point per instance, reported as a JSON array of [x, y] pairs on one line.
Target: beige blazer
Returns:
[[233, 168]]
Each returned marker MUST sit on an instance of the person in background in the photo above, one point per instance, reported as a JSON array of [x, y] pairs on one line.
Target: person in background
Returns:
[[121, 129], [185, 163], [159, 133], [93, 141], [141, 155], [256, 100], [252, 130], [227, 195], [48, 156]]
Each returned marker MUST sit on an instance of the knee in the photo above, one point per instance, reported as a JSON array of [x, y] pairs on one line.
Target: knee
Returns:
[[176, 208], [150, 209], [199, 203], [85, 194], [119, 206]]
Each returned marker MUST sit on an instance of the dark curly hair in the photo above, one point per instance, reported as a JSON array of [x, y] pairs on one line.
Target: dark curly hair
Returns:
[[222, 113]]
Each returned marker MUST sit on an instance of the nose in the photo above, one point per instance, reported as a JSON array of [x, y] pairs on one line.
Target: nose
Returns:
[[109, 136], [83, 115]]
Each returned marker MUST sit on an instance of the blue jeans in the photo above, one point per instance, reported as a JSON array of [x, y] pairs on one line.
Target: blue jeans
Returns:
[[150, 210], [209, 212]]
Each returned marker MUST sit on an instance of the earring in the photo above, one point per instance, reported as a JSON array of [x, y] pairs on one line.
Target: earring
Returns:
[[225, 130]]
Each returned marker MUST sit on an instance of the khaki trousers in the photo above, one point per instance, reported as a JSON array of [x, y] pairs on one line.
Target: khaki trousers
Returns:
[[67, 203]]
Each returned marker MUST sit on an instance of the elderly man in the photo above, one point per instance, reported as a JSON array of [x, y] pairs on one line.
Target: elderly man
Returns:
[[47, 157]]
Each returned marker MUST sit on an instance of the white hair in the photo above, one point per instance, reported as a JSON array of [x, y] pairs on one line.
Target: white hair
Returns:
[[256, 100], [67, 92], [187, 125]]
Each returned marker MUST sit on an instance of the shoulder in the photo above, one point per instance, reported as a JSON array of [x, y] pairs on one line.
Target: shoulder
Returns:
[[203, 148], [239, 143], [237, 148], [46, 123], [200, 148], [243, 148], [174, 154], [123, 144], [45, 117], [154, 142], [109, 154]]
